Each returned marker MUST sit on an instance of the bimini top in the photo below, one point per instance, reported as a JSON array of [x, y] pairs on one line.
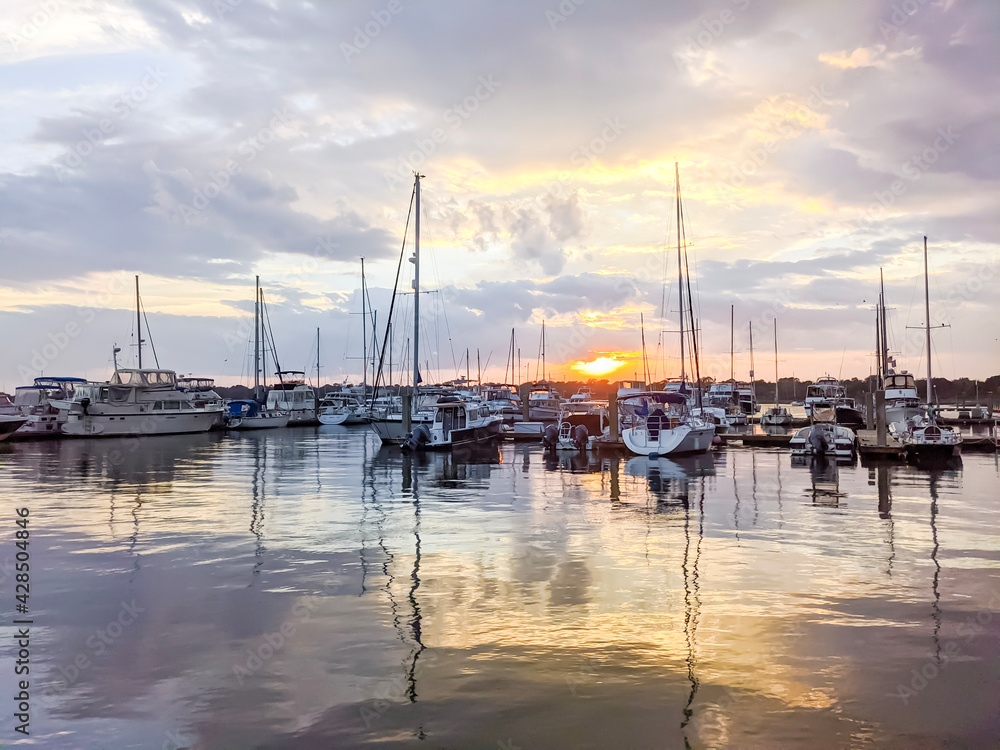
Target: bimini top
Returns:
[[653, 397], [151, 378], [43, 381]]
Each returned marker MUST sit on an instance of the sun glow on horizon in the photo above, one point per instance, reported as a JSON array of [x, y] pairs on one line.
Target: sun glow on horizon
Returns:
[[599, 367]]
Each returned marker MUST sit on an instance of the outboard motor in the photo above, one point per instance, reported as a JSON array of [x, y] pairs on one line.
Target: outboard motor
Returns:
[[417, 439], [580, 436], [85, 405], [817, 439], [550, 438]]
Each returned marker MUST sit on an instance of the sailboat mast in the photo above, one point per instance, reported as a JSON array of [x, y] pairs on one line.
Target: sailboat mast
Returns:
[[680, 265], [753, 388], [416, 295], [885, 329], [364, 333], [543, 350], [138, 320], [317, 361], [732, 343], [256, 340], [927, 307], [642, 327], [776, 401]]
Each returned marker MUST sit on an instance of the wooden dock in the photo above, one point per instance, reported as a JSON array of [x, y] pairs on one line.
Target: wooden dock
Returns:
[[868, 446]]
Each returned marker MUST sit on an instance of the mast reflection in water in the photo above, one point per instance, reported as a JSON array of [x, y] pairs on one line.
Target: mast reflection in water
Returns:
[[306, 588]]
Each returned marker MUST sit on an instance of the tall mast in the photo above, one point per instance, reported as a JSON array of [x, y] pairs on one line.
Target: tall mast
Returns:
[[543, 350], [479, 368], [138, 320], [680, 265], [467, 366], [415, 260], [927, 307], [364, 333], [885, 330], [317, 361], [753, 388], [645, 368], [256, 340], [879, 378], [732, 343], [776, 361]]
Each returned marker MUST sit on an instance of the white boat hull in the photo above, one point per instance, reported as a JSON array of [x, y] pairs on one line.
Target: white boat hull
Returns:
[[676, 441], [259, 422], [833, 441], [110, 425]]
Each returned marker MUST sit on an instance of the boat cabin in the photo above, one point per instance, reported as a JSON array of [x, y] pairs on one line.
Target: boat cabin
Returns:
[[145, 378]]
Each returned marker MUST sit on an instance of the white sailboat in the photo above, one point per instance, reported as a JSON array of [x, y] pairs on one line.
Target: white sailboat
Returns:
[[251, 414], [661, 423], [777, 415], [925, 435]]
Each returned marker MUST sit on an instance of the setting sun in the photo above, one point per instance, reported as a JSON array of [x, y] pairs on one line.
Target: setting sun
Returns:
[[599, 367]]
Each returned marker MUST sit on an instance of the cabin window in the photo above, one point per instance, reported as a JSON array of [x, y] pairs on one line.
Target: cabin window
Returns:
[[158, 406], [439, 415], [460, 420], [484, 413]]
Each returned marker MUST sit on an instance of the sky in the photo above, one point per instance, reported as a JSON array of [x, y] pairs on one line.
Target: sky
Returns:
[[199, 144]]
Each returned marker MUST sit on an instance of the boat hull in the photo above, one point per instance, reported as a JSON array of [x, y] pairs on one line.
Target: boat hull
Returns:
[[470, 436], [117, 425], [676, 441], [259, 422], [9, 425]]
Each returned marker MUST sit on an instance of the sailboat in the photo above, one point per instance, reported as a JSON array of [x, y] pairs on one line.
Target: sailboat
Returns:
[[251, 414], [925, 435], [660, 423], [350, 406], [448, 421], [777, 415]]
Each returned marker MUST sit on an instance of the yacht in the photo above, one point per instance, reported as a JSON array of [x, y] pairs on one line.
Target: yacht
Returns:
[[455, 423], [544, 403], [134, 402], [828, 390], [901, 400], [34, 403], [203, 393], [725, 397], [503, 401], [291, 394]]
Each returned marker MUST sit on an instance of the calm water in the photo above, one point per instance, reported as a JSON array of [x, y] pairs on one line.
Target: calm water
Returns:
[[305, 589]]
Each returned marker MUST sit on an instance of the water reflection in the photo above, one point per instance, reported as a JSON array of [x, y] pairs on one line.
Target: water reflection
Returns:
[[452, 600]]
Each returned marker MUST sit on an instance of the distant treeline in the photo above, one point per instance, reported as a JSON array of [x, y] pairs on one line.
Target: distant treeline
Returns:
[[960, 391]]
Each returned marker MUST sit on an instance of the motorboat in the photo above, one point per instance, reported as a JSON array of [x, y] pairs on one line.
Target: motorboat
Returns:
[[902, 402], [9, 424], [828, 390], [824, 438], [293, 395], [504, 402], [247, 414], [659, 423], [203, 392], [544, 403], [345, 407], [455, 423], [776, 416], [34, 403], [134, 403]]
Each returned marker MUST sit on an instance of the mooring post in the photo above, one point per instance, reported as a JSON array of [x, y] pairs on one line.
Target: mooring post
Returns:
[[526, 403], [613, 418], [870, 411], [880, 425], [407, 413]]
